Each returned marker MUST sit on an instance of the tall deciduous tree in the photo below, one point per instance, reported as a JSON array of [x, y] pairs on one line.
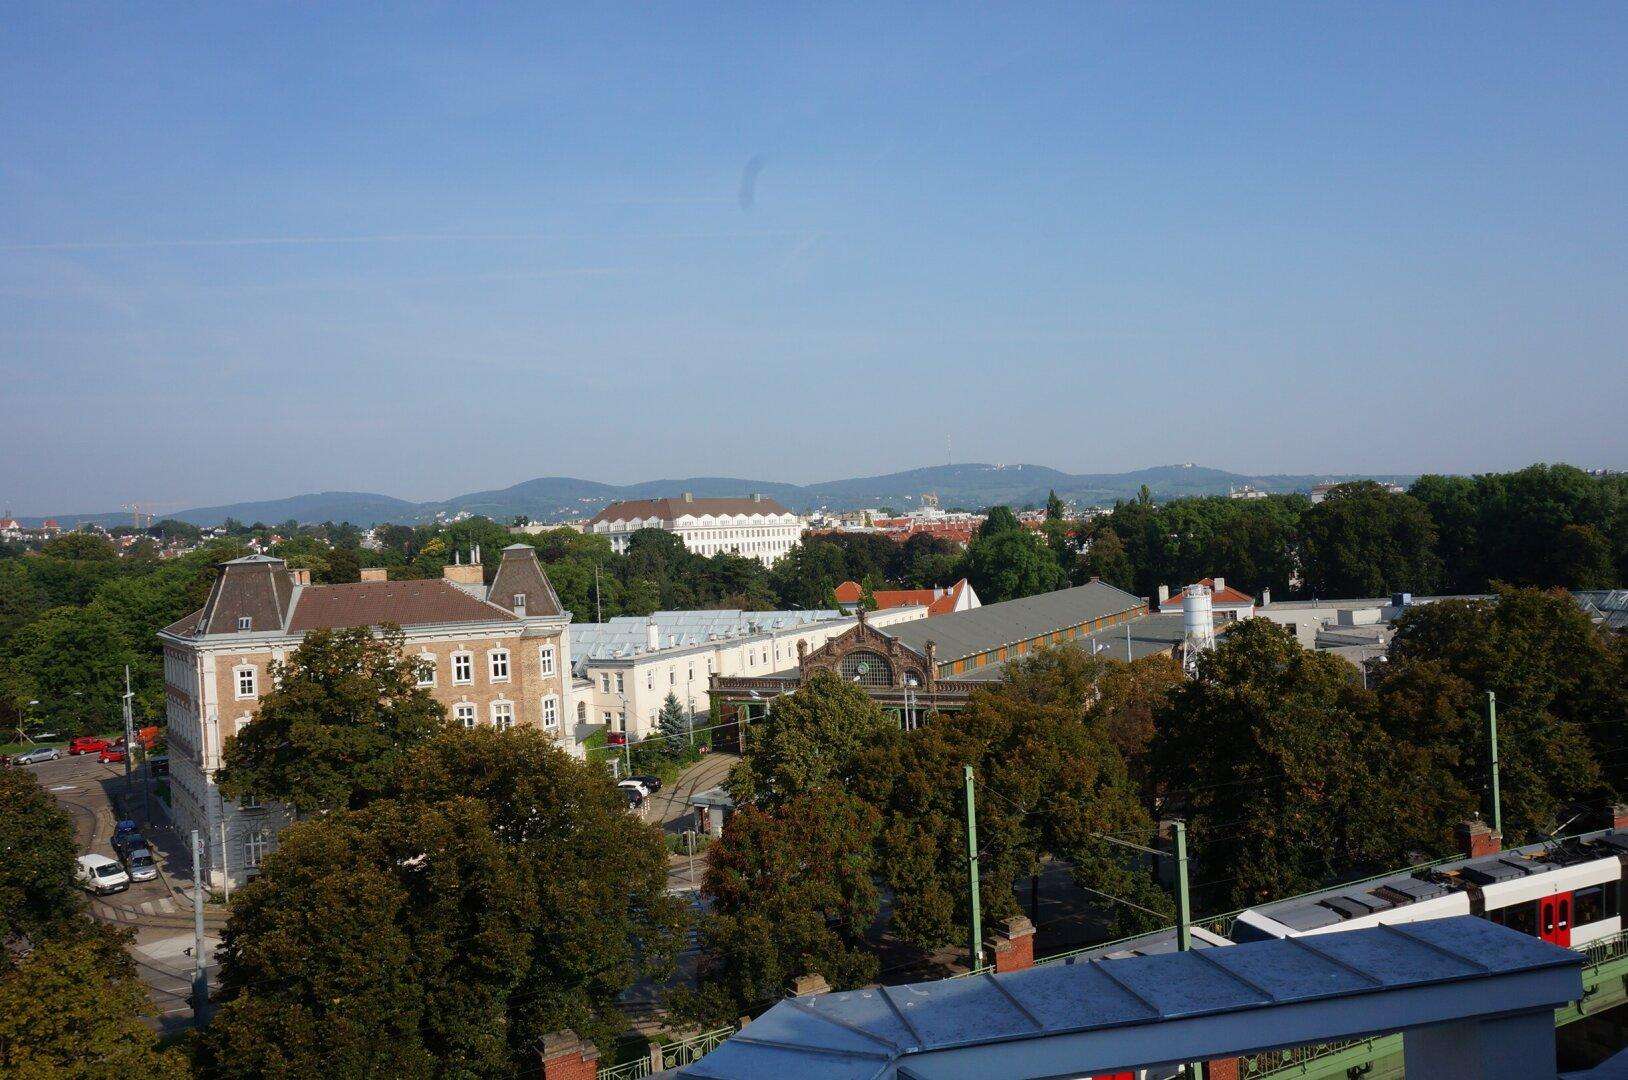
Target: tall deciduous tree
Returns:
[[810, 739], [335, 729], [1362, 540], [603, 919], [71, 1007], [36, 858], [792, 893]]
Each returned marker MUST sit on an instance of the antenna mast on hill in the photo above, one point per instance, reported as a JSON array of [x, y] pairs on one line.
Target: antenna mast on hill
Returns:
[[949, 450]]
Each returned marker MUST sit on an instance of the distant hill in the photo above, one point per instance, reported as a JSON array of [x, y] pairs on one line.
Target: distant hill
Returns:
[[560, 498]]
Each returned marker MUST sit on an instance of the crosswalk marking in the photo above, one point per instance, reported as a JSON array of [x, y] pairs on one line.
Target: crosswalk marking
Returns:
[[147, 907], [166, 905]]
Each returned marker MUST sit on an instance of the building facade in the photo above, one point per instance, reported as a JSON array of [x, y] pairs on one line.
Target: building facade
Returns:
[[497, 655], [625, 668], [756, 527]]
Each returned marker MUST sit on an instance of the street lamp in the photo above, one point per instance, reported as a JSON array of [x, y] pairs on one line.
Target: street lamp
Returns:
[[627, 750]]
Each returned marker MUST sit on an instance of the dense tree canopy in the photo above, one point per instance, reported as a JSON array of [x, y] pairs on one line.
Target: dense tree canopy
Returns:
[[37, 851], [335, 729], [1362, 540]]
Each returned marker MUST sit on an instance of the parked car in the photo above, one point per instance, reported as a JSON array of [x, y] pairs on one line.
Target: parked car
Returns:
[[616, 738], [123, 827], [111, 755], [140, 864], [37, 755], [125, 843], [87, 744], [634, 785], [635, 797], [652, 784], [100, 874], [160, 765], [43, 735]]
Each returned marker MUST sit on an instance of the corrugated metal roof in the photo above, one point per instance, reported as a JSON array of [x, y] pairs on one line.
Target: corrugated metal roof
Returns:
[[967, 633], [628, 635], [1025, 1016]]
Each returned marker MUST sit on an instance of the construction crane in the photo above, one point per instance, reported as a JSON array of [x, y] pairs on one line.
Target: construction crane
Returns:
[[141, 519]]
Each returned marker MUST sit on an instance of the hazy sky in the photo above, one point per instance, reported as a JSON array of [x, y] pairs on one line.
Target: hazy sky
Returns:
[[253, 250]]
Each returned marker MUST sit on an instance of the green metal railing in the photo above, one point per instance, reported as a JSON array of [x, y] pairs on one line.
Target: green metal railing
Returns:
[[673, 1055]]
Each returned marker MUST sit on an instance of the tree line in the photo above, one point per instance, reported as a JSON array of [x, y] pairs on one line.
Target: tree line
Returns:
[[1546, 526]]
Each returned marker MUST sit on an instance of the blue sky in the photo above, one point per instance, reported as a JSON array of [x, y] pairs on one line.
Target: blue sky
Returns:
[[253, 250]]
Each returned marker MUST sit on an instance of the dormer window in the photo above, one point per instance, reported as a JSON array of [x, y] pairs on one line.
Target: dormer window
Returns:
[[244, 622], [520, 601]]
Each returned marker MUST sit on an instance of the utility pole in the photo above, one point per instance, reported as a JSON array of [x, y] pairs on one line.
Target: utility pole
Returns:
[[1184, 907], [129, 743], [200, 981], [599, 612], [976, 943], [1492, 736]]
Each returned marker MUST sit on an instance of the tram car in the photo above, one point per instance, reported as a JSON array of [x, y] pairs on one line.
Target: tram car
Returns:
[[1568, 892]]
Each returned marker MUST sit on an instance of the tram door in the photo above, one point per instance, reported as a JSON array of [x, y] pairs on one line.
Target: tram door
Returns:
[[1554, 919]]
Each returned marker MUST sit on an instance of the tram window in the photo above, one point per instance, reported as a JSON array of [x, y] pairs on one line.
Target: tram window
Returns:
[[1592, 905], [1522, 917], [1496, 915]]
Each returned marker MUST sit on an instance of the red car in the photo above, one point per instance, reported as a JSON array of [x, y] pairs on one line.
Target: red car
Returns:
[[111, 755], [88, 744]]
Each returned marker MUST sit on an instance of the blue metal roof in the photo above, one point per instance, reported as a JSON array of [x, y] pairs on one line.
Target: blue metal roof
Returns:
[[1031, 1017]]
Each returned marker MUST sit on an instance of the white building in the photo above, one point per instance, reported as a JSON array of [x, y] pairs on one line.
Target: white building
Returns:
[[625, 668], [756, 527]]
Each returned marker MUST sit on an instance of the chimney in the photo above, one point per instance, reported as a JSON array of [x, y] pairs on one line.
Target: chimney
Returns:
[[1164, 596], [689, 497], [1013, 945], [1217, 584], [567, 1056], [809, 986], [462, 573], [652, 635], [1266, 596], [1476, 840], [375, 573], [299, 576], [1619, 816], [757, 497]]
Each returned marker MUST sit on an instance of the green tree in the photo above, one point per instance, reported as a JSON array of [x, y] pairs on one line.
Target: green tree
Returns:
[[344, 714], [1362, 540], [71, 660], [674, 724], [80, 545], [809, 740], [1106, 559], [1009, 564], [37, 852], [426, 933], [805, 576], [604, 919], [791, 893], [1583, 558], [71, 1008], [1561, 696], [1273, 754], [999, 519]]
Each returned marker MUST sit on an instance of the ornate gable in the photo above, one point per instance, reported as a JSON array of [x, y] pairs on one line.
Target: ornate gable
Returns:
[[871, 658]]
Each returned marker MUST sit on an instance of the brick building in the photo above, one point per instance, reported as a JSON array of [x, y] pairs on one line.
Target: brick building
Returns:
[[495, 654]]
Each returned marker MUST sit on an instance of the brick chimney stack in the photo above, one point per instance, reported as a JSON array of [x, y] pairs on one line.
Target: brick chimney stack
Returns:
[[1476, 840], [375, 573], [567, 1056], [1012, 945]]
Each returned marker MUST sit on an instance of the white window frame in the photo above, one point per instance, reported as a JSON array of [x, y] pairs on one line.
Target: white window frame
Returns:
[[250, 801], [494, 713], [495, 658], [466, 659], [621, 685], [545, 660], [466, 715], [238, 674], [256, 846], [551, 712], [426, 667]]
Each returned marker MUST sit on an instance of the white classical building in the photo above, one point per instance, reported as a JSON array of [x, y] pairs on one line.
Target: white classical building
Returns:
[[625, 668], [756, 527]]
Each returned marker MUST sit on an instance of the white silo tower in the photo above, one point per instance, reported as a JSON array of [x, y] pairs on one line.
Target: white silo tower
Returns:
[[1198, 622]]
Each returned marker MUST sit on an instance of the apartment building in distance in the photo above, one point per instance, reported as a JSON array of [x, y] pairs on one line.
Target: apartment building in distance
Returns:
[[756, 526], [497, 654]]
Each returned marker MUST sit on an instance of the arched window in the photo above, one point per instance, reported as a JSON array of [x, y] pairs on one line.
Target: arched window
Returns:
[[867, 668]]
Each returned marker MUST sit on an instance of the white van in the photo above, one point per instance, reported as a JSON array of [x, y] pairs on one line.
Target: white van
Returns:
[[100, 874]]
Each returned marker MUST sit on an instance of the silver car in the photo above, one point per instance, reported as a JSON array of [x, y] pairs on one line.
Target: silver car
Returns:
[[141, 864], [36, 755]]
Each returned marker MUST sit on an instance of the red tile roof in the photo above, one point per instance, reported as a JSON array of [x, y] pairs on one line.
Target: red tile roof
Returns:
[[937, 601], [1227, 595], [405, 603]]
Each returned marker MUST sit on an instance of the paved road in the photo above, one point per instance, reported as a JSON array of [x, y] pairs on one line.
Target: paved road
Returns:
[[670, 809], [158, 912]]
